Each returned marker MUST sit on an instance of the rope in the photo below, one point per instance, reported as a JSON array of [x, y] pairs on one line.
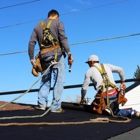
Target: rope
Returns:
[[36, 116], [30, 87], [97, 120], [126, 119]]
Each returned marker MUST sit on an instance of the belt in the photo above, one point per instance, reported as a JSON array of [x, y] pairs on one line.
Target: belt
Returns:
[[49, 49], [111, 92]]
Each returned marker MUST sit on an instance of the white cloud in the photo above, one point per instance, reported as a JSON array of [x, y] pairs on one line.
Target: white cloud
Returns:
[[74, 10], [83, 2]]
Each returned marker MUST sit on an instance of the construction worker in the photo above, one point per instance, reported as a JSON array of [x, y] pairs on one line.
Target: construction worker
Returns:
[[105, 90], [50, 35]]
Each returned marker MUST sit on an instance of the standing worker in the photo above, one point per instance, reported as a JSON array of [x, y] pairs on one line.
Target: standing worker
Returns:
[[108, 95], [50, 35]]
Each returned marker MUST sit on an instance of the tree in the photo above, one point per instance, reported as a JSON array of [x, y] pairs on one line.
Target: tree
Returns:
[[137, 72]]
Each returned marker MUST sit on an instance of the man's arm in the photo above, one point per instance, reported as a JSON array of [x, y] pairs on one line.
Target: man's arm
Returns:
[[85, 87], [64, 42], [120, 71], [31, 46]]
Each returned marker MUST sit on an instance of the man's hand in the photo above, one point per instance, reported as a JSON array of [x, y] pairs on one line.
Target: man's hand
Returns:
[[70, 59], [123, 86], [33, 62]]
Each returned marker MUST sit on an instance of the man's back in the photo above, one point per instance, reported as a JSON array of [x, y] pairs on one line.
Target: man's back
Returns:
[[95, 76]]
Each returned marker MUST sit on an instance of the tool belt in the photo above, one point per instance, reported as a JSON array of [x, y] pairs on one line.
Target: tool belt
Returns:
[[51, 48], [37, 67], [121, 99], [99, 103]]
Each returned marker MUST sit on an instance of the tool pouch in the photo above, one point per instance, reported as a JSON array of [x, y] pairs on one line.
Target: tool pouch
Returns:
[[121, 99], [99, 103], [37, 67]]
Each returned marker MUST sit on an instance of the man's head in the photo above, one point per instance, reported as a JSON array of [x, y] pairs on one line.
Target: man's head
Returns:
[[92, 59], [53, 14]]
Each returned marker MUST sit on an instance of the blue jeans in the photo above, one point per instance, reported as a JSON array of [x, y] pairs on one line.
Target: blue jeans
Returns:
[[126, 113], [121, 112], [58, 72]]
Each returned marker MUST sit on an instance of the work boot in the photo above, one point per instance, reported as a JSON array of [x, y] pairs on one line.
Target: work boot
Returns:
[[58, 111], [97, 109], [40, 108], [137, 114]]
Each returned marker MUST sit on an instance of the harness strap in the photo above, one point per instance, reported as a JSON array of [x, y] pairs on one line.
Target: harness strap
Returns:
[[50, 49], [48, 35], [106, 81], [103, 72]]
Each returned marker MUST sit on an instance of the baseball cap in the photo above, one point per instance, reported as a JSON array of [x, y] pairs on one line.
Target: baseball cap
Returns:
[[92, 58]]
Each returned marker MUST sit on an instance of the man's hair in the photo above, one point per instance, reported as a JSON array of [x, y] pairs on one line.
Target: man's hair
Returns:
[[53, 13]]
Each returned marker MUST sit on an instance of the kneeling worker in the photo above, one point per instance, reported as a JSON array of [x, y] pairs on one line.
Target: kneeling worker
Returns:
[[108, 95]]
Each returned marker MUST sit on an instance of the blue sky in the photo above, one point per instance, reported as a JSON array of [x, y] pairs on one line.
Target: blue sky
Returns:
[[84, 20]]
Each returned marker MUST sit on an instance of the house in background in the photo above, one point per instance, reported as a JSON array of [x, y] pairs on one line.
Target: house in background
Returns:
[[133, 97]]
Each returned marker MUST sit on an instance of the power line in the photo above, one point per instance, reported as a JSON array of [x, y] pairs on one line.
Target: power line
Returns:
[[104, 39], [17, 24], [104, 5], [18, 4], [85, 42]]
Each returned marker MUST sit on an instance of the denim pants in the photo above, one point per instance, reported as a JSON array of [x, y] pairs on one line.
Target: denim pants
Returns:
[[121, 112], [58, 73]]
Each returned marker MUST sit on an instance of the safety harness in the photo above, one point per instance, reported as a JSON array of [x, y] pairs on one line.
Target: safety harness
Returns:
[[99, 103], [106, 82], [48, 36]]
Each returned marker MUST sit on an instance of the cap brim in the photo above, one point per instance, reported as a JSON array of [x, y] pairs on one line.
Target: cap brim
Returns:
[[87, 62]]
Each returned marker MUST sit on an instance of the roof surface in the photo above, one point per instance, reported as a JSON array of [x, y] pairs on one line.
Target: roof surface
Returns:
[[99, 131]]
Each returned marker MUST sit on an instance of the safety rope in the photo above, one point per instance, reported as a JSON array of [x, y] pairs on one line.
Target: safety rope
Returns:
[[53, 63], [97, 120], [35, 116], [126, 119]]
